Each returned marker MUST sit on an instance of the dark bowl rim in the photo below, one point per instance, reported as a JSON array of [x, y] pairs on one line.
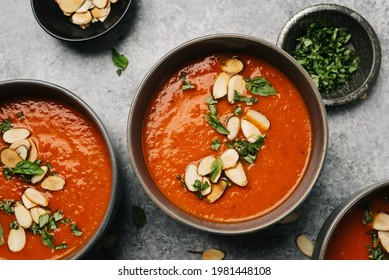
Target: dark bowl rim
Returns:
[[165, 209], [69, 39], [374, 41], [337, 215], [111, 151]]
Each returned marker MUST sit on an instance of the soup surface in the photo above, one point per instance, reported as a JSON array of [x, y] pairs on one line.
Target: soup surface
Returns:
[[176, 133], [354, 238], [75, 150]]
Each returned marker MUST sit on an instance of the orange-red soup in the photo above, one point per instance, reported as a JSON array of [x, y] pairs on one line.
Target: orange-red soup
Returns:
[[76, 150], [176, 133], [352, 238]]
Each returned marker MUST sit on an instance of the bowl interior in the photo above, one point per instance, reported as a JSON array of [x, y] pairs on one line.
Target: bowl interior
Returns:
[[26, 88], [236, 44], [364, 42], [54, 22]]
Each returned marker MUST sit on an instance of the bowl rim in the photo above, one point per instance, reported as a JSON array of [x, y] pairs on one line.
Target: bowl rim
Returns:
[[70, 39], [205, 225], [374, 41], [337, 215], [111, 208]]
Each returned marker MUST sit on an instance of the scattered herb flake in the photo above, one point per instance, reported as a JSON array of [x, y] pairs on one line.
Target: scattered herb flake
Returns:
[[238, 111], [179, 178], [44, 220], [120, 61], [5, 125], [7, 206], [57, 216], [367, 212], [260, 86], [186, 84], [214, 121], [248, 151], [138, 217], [248, 100], [61, 246], [215, 145], [212, 105], [20, 115], [76, 231], [216, 168], [8, 173], [14, 225], [47, 238]]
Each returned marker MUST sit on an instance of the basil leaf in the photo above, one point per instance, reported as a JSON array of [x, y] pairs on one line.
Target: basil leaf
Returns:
[[212, 105], [8, 207], [5, 125], [215, 145], [75, 230], [43, 220], [248, 151], [367, 212], [238, 111], [216, 168], [61, 246], [120, 61], [138, 217], [56, 216], [248, 100], [47, 238], [214, 121], [27, 167], [14, 225], [260, 86], [1, 235], [20, 115], [187, 84]]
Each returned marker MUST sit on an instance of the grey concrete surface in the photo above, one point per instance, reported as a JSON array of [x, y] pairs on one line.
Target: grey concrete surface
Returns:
[[358, 153]]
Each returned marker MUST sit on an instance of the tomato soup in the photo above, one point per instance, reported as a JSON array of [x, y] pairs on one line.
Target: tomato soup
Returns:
[[355, 237], [176, 133], [73, 149]]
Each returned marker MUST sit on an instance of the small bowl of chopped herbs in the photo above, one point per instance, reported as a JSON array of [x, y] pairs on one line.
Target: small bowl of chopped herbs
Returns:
[[337, 47]]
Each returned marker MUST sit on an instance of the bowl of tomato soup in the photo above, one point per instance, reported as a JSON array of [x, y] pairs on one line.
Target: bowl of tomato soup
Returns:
[[58, 184], [358, 229], [227, 134]]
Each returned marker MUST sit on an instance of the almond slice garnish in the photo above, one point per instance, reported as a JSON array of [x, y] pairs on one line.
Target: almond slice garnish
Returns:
[[33, 154], [23, 216], [99, 13], [236, 83], [16, 239], [220, 85], [85, 7], [36, 197], [250, 131], [229, 158], [36, 212], [27, 203], [191, 176], [15, 134], [381, 222], [305, 245], [384, 239], [101, 4], [53, 183], [22, 151], [233, 126], [10, 157], [22, 142], [217, 191], [205, 164], [102, 19], [37, 178], [213, 254], [259, 119], [237, 175], [232, 66], [81, 18], [70, 6]]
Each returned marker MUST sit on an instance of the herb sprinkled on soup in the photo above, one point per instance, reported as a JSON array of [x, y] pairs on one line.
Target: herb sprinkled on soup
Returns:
[[227, 137]]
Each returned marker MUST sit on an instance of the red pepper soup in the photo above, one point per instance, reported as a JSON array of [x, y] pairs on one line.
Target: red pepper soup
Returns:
[[227, 138], [55, 195]]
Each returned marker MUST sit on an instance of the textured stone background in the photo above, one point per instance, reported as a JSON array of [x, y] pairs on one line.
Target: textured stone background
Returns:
[[357, 156]]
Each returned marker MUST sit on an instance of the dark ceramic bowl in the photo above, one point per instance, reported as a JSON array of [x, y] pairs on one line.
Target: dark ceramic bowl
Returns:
[[227, 43], [53, 21], [364, 41], [35, 88], [337, 215]]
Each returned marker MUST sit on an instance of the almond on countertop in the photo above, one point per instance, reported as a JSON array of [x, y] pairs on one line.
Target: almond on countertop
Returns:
[[213, 254], [305, 245]]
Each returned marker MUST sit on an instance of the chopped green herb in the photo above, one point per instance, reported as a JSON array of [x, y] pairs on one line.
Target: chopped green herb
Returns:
[[1, 235], [75, 230], [367, 212], [238, 111], [199, 186], [8, 173], [239, 98], [27, 167], [44, 220], [14, 225], [377, 253], [324, 53], [187, 84], [35, 228], [20, 115], [214, 121], [65, 221], [179, 178], [38, 161], [7, 206], [138, 217], [248, 151], [215, 145], [5, 125], [260, 86], [61, 246], [47, 238], [212, 105], [216, 168], [56, 216], [120, 61]]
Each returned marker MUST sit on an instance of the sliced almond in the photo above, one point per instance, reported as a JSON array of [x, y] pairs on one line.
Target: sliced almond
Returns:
[[233, 126], [235, 84], [85, 7], [213, 254], [220, 86], [259, 119], [232, 66], [33, 154], [36, 212], [207, 190], [217, 191], [101, 4], [36, 197], [102, 19], [10, 158], [16, 239], [381, 222], [70, 6], [22, 142], [305, 245], [250, 131], [384, 239], [27, 203], [53, 183], [229, 158], [81, 18], [15, 134], [237, 175], [22, 151], [23, 216], [99, 13], [37, 178], [292, 217], [113, 1], [191, 176], [205, 164]]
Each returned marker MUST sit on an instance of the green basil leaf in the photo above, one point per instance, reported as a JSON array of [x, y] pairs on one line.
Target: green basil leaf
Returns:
[[1, 235], [27, 167], [5, 125], [76, 231], [43, 220], [238, 111], [212, 105], [138, 217], [248, 151], [248, 100], [120, 61], [215, 145], [61, 246], [260, 86], [216, 168], [214, 121], [47, 238]]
